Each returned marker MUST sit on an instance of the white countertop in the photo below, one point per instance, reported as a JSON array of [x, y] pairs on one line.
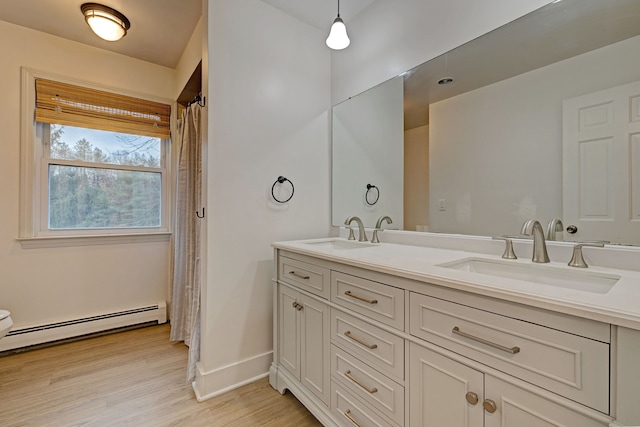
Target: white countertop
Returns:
[[619, 306]]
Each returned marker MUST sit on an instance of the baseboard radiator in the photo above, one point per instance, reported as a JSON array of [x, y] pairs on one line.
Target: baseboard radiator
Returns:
[[19, 338]]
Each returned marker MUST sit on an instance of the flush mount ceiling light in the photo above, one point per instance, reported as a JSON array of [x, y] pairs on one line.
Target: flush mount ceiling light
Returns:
[[107, 23], [338, 38]]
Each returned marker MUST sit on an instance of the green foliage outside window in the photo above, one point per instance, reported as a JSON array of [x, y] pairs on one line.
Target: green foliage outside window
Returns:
[[104, 196]]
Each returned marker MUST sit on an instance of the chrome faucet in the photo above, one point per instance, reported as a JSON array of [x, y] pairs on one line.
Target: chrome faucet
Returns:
[[374, 238], [554, 226], [533, 228], [362, 234]]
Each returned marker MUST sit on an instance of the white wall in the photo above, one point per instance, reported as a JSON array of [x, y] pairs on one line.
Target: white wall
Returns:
[[391, 37], [268, 105], [190, 58], [496, 152], [45, 285]]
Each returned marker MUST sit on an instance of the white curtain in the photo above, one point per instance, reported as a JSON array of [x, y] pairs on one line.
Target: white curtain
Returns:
[[185, 307]]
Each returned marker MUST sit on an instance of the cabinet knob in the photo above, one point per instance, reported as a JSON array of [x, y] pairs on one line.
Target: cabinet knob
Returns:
[[297, 306], [489, 406], [471, 397]]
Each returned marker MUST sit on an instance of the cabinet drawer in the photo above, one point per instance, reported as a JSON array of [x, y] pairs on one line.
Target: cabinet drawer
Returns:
[[351, 412], [309, 277], [380, 302], [370, 385], [380, 349], [519, 407], [570, 365]]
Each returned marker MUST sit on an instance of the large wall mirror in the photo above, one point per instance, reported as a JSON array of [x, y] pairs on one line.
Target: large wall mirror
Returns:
[[537, 119]]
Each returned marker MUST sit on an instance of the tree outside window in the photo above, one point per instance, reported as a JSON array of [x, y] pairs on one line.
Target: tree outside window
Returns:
[[100, 179]]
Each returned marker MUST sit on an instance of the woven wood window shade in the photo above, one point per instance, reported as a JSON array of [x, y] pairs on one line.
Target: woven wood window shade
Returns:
[[71, 105]]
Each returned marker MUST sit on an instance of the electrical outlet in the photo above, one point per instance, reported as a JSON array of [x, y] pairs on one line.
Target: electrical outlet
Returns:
[[442, 204]]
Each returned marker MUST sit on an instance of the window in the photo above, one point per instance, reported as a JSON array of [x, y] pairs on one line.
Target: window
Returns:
[[95, 179], [100, 164]]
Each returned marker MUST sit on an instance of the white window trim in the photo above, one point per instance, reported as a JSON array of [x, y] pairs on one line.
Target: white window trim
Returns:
[[30, 234]]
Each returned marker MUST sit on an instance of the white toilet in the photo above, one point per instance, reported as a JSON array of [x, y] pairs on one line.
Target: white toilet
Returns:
[[5, 323]]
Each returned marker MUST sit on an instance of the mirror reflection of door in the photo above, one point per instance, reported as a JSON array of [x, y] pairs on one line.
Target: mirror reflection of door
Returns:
[[601, 155]]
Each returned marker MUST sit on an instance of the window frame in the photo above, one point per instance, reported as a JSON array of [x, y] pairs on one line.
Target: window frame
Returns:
[[34, 187]]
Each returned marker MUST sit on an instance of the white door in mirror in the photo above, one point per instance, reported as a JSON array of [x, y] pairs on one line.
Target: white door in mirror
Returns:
[[601, 164]]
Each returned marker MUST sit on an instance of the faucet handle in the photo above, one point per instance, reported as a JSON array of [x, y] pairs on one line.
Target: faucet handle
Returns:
[[351, 235], [509, 253], [577, 260]]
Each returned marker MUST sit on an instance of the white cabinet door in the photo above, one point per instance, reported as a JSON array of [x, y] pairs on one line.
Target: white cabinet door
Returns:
[[289, 327], [438, 391], [314, 347], [439, 388], [516, 407], [304, 329]]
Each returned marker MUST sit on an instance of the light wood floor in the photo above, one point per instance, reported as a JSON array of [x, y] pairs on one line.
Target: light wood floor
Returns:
[[134, 378]]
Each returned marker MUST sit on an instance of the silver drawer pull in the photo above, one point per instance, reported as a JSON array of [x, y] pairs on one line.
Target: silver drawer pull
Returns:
[[347, 414], [349, 375], [511, 350], [369, 301], [298, 275], [359, 341]]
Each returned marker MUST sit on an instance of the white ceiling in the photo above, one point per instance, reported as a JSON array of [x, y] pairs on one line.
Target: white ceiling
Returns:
[[160, 29], [321, 13]]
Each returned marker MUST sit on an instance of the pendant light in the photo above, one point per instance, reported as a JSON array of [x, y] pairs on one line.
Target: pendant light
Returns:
[[107, 23], [338, 38]]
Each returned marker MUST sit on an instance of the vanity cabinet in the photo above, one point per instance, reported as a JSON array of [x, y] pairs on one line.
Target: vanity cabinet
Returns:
[[365, 348], [304, 344], [367, 354], [448, 393], [557, 359]]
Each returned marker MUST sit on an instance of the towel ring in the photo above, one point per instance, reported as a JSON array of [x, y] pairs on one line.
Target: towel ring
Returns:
[[281, 180], [366, 195]]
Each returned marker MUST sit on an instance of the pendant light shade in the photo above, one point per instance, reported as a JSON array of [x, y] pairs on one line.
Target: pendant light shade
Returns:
[[338, 38], [107, 23]]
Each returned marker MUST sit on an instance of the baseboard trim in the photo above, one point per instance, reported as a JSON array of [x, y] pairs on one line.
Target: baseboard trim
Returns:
[[27, 336], [226, 378]]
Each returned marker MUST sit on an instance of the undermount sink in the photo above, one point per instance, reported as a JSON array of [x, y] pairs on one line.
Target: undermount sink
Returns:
[[341, 244], [599, 283]]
